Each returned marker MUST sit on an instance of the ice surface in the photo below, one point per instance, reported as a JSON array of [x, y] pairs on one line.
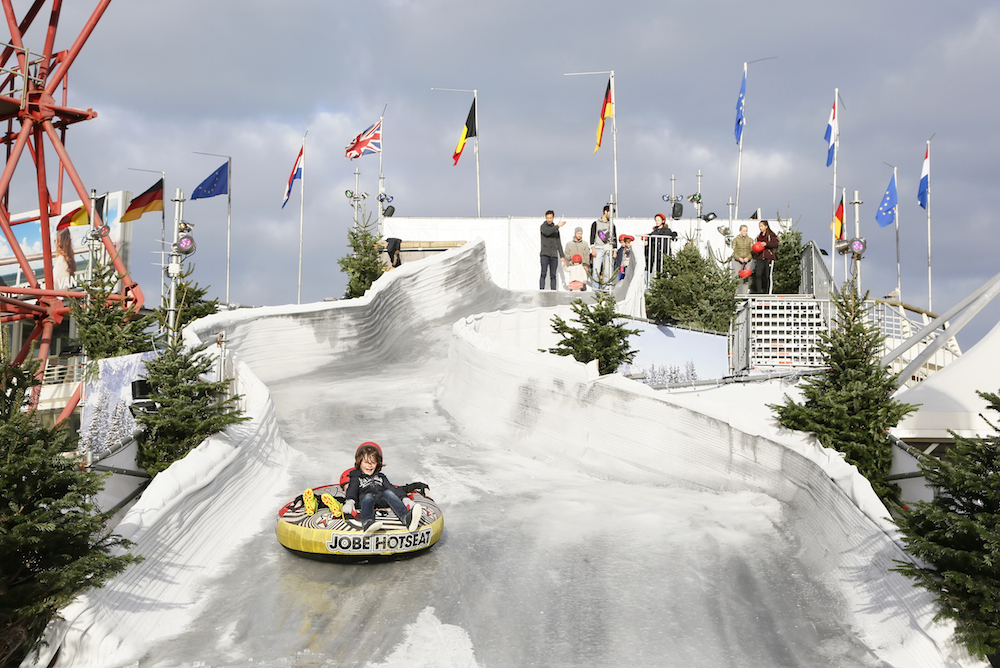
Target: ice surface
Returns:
[[588, 521]]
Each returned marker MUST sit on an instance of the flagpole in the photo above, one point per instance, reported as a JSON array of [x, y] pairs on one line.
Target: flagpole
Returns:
[[929, 307], [739, 158], [614, 145], [836, 149], [381, 176], [479, 206], [229, 221], [229, 210], [899, 280], [302, 208]]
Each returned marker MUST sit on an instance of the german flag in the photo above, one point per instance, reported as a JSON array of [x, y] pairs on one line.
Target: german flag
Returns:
[[468, 131], [77, 216], [838, 221], [151, 200], [607, 111]]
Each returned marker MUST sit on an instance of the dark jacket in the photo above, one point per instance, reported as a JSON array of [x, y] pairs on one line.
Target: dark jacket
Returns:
[[551, 245], [361, 484], [770, 241]]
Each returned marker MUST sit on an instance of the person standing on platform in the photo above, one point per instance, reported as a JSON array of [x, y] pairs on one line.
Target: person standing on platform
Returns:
[[551, 249], [742, 256], [577, 246], [763, 257], [602, 246]]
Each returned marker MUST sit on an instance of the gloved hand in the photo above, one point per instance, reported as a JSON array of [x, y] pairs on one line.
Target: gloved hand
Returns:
[[421, 487], [348, 508]]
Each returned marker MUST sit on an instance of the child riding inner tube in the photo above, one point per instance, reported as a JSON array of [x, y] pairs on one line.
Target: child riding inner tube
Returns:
[[329, 535]]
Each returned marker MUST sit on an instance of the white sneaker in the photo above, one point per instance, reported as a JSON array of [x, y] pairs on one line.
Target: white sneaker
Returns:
[[415, 513], [372, 528]]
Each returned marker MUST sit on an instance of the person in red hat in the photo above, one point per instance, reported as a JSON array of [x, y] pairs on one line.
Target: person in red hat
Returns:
[[369, 488], [577, 274], [767, 241], [740, 263]]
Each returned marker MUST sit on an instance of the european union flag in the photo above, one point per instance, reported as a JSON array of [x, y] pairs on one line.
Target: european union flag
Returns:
[[886, 213], [216, 184], [739, 107]]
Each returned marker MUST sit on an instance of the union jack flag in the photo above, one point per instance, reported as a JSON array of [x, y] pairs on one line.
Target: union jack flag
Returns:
[[369, 141]]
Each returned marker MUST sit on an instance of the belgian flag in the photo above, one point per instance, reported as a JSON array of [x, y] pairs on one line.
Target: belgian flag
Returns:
[[607, 111], [151, 200], [468, 131]]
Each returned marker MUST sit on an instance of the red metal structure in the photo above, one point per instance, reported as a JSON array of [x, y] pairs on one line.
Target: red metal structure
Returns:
[[27, 105]]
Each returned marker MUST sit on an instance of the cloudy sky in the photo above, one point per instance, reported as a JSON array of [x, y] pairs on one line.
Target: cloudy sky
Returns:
[[248, 78]]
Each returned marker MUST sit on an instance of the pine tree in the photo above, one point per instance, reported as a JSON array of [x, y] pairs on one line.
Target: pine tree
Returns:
[[106, 327], [190, 302], [597, 336], [52, 545], [850, 407], [958, 536], [189, 408], [787, 270], [363, 266], [694, 291]]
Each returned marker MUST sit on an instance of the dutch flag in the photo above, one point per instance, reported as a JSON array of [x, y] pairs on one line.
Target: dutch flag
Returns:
[[296, 174], [925, 179], [831, 134]]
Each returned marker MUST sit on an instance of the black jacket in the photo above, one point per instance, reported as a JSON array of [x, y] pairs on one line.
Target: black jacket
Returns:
[[369, 484]]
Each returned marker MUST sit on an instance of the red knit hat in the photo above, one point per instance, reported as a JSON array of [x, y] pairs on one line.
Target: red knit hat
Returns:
[[577, 258], [623, 237], [660, 215]]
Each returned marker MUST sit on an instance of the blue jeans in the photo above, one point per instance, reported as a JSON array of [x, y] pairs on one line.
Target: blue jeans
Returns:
[[604, 260], [384, 499]]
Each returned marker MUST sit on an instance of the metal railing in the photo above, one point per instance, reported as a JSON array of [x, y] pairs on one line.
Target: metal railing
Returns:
[[64, 370], [783, 332]]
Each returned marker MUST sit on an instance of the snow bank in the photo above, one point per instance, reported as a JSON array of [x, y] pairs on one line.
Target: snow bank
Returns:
[[176, 528], [498, 386]]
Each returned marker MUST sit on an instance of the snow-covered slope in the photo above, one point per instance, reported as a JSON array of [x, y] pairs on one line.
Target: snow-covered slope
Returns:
[[588, 521]]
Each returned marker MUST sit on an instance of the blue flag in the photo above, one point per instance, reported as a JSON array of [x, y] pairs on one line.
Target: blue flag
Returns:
[[739, 107], [886, 214], [216, 184]]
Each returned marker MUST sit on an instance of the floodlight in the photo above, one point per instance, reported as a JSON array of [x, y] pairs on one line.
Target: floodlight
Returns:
[[186, 244], [858, 246], [709, 217]]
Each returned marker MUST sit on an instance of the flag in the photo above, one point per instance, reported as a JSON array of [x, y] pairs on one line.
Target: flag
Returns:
[[78, 216], [369, 141], [468, 131], [151, 200], [838, 221], [925, 178], [886, 213], [832, 131], [296, 174], [607, 111], [216, 184], [739, 107]]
